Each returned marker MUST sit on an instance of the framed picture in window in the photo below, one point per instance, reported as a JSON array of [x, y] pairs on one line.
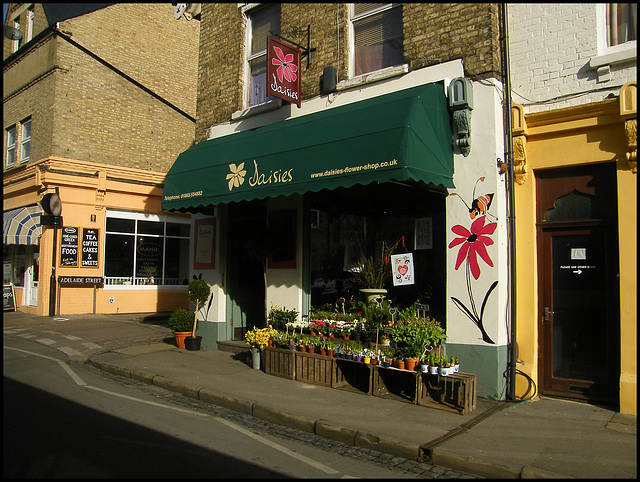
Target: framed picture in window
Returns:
[[282, 239], [205, 244]]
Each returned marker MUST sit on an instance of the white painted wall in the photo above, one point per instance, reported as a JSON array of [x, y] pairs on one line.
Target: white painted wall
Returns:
[[554, 51], [487, 146]]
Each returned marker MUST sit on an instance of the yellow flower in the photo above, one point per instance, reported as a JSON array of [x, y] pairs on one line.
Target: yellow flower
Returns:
[[236, 177]]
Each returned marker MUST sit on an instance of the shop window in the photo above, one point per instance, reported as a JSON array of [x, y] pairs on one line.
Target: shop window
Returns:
[[146, 249], [25, 141], [14, 262], [260, 22], [377, 36], [11, 147]]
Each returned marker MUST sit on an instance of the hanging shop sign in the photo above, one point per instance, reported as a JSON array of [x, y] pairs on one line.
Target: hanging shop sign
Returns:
[[283, 71], [402, 269], [69, 246], [90, 245]]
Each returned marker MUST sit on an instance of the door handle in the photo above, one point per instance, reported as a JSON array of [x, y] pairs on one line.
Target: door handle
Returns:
[[547, 312]]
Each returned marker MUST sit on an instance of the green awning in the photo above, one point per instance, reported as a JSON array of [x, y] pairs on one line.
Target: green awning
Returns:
[[399, 136]]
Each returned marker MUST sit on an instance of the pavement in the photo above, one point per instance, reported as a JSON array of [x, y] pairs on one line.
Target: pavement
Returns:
[[538, 438]]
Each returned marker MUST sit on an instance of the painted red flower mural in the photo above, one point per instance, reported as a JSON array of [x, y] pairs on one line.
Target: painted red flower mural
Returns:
[[473, 243], [287, 69]]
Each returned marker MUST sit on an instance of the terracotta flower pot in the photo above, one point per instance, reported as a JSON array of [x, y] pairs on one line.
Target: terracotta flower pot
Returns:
[[180, 336], [400, 364], [410, 363]]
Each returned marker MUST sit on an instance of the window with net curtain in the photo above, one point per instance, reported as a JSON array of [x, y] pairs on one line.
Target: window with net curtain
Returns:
[[378, 37], [260, 22], [622, 23]]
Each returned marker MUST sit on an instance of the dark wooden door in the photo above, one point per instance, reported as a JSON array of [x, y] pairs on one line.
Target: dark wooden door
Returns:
[[578, 284]]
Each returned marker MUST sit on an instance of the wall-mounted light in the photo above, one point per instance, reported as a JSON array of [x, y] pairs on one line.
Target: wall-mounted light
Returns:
[[461, 105]]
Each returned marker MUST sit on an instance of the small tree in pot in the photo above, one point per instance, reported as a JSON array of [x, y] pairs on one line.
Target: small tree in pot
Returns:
[[181, 322], [199, 292]]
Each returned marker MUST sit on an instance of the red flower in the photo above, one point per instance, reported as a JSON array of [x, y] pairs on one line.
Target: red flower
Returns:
[[473, 243], [287, 68]]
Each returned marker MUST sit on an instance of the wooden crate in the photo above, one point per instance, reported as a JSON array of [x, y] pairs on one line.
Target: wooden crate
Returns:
[[455, 392], [279, 362], [312, 368], [351, 375], [394, 384]]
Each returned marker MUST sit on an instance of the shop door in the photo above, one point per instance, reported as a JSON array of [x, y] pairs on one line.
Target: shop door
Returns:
[[31, 282], [579, 290], [245, 268]]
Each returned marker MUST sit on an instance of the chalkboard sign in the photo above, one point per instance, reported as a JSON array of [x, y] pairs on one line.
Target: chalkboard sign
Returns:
[[90, 247], [8, 300], [69, 246]]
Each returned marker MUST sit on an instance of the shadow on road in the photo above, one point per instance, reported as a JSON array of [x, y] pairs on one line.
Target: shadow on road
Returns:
[[45, 436]]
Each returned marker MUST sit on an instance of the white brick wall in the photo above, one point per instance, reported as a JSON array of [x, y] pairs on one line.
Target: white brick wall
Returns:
[[550, 48]]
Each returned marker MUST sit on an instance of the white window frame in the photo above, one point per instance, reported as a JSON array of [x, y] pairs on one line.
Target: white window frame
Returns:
[[11, 146], [394, 69], [25, 141], [247, 11], [119, 283], [626, 50], [15, 44], [30, 16]]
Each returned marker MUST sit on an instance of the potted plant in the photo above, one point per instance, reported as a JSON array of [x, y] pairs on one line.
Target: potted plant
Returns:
[[199, 292], [258, 339], [181, 322], [374, 272]]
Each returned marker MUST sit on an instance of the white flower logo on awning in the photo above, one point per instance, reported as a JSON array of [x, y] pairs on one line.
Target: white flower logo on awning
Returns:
[[236, 177]]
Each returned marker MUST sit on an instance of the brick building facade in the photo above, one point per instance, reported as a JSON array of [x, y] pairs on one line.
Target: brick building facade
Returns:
[[98, 100]]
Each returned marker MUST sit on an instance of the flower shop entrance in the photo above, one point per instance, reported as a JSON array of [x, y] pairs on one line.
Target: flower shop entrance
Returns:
[[245, 267]]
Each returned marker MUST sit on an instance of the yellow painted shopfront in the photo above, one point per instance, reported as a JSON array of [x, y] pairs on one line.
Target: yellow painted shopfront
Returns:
[[115, 251], [576, 235]]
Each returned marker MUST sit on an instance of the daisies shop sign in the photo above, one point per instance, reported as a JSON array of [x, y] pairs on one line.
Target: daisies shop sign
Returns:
[[283, 64]]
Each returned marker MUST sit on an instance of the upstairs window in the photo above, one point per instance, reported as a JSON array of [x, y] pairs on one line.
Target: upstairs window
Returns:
[[11, 147], [25, 141], [377, 36], [15, 45], [259, 22], [30, 24], [622, 23]]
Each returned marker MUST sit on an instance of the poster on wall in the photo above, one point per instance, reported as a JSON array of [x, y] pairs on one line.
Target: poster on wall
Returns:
[[205, 244], [69, 246], [402, 265], [90, 245], [424, 233]]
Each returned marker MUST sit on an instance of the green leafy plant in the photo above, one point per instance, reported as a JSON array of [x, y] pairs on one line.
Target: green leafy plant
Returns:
[[199, 292], [181, 320], [376, 269]]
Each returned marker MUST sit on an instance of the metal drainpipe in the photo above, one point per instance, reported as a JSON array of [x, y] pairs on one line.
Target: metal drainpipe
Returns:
[[506, 78]]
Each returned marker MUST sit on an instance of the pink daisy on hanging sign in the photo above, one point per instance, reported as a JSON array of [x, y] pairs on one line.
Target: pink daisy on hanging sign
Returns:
[[287, 69]]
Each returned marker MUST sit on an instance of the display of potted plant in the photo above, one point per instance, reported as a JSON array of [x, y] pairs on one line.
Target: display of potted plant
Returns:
[[258, 339], [199, 291], [374, 272], [181, 322]]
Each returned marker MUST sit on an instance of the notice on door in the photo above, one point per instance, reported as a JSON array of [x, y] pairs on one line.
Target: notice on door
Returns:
[[69, 246], [90, 245]]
